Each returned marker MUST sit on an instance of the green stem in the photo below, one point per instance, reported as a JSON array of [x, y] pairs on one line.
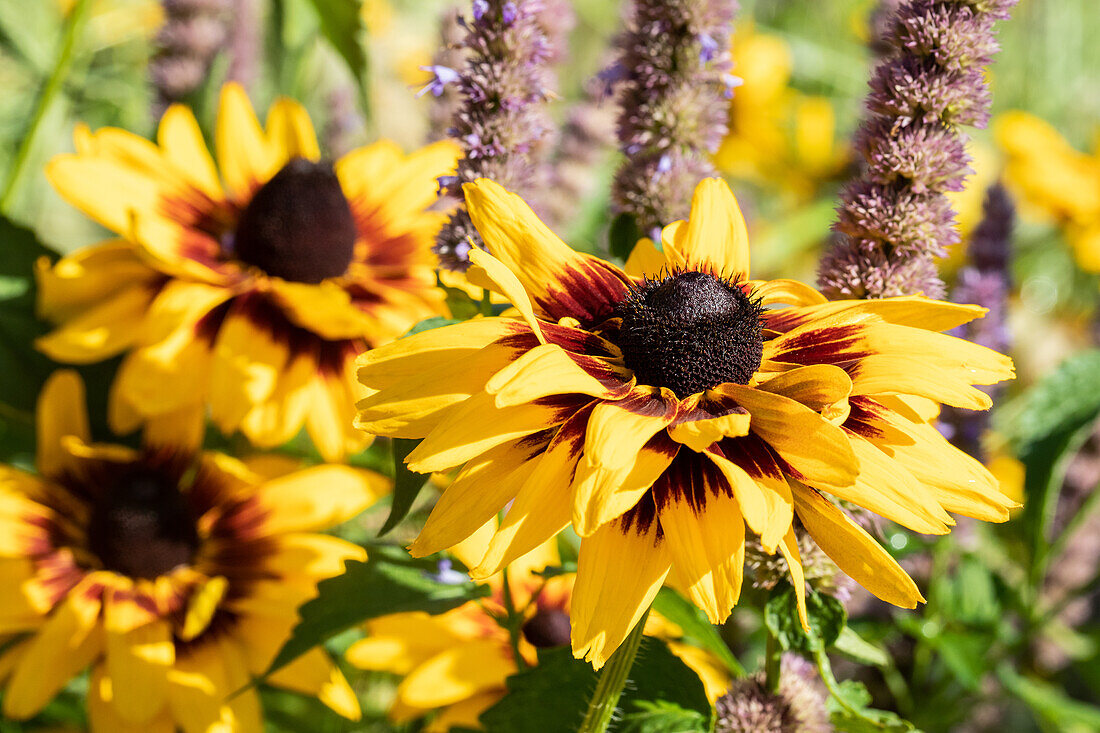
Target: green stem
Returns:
[[515, 622], [773, 657], [613, 678], [45, 101]]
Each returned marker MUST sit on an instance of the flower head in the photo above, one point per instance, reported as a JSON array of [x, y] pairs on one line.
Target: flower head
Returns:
[[251, 291], [663, 409], [174, 575], [798, 706]]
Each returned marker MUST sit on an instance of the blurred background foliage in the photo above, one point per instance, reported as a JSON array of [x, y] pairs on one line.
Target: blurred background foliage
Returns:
[[1010, 637]]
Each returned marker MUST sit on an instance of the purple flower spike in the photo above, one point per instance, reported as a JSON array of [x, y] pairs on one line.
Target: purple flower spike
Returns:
[[500, 118], [895, 220], [441, 77], [673, 94]]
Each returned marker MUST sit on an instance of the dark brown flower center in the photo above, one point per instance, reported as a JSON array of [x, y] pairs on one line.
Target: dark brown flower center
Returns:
[[689, 332], [143, 527], [299, 225], [549, 627]]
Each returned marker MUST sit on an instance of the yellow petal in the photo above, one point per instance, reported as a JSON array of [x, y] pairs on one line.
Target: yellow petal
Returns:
[[61, 411], [546, 370], [103, 716], [319, 497], [490, 273], [810, 444], [761, 490], [620, 568], [66, 644], [789, 548], [457, 673], [102, 331], [88, 276], [330, 421], [245, 156], [290, 131], [181, 140], [181, 430], [542, 507], [707, 545], [914, 375], [201, 684], [279, 418], [889, 490], [476, 425], [315, 675], [478, 493], [310, 556], [400, 642], [247, 363], [715, 418], [560, 281], [854, 551], [137, 663], [787, 292], [645, 260], [715, 239]]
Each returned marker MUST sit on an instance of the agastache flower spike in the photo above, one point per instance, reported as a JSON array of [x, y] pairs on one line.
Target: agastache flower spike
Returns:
[[502, 121], [674, 86], [985, 281], [894, 221], [192, 33]]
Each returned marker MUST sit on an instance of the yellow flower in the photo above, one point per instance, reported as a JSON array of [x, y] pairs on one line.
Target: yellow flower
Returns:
[[458, 662], [175, 575], [252, 297], [776, 135], [1049, 175], [662, 409]]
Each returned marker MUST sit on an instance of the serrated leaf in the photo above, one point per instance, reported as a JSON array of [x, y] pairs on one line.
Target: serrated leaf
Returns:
[[855, 646], [696, 627], [406, 484], [662, 717], [623, 235], [826, 616], [388, 582], [552, 696]]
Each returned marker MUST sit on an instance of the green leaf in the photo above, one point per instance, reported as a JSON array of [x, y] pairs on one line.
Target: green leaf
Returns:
[[623, 235], [1051, 704], [848, 706], [459, 302], [552, 696], [430, 323], [855, 646], [406, 484], [388, 582], [697, 629], [826, 615], [662, 717], [342, 24]]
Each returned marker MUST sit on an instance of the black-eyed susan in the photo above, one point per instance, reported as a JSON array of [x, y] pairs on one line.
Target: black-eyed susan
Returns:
[[663, 409], [457, 663], [250, 291], [174, 575]]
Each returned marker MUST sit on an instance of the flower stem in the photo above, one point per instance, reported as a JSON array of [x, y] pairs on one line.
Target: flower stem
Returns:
[[613, 678], [773, 656], [49, 92], [515, 621]]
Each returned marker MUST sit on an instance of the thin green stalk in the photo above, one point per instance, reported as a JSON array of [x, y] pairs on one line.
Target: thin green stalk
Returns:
[[53, 85], [613, 678], [515, 622], [773, 658]]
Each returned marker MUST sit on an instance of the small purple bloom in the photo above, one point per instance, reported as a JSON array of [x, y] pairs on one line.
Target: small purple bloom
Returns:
[[445, 183], [441, 77], [508, 13], [444, 574], [481, 7], [708, 48]]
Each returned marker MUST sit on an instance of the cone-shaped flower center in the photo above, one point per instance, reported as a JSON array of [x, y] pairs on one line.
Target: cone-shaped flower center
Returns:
[[549, 627], [143, 526], [689, 332], [299, 225]]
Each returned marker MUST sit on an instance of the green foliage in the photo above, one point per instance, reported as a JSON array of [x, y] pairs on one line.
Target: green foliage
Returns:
[[826, 616], [388, 582], [552, 697], [1052, 704], [696, 627], [342, 24], [623, 235], [849, 712], [406, 484], [431, 323]]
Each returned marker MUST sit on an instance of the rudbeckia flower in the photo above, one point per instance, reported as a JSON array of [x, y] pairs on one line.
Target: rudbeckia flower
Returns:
[[457, 663], [667, 409], [174, 575], [250, 285]]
